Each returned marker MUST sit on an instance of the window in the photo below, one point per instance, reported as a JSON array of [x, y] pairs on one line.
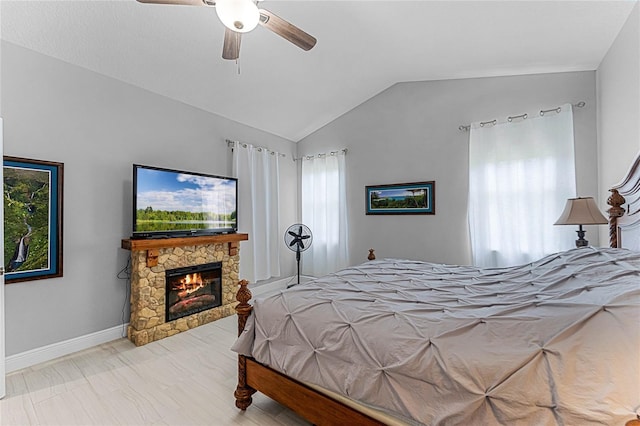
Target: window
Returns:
[[324, 211], [520, 176]]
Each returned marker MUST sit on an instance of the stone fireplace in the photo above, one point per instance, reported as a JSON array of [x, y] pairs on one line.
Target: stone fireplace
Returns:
[[153, 265]]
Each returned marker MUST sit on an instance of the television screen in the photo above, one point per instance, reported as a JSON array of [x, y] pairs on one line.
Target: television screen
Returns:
[[176, 203]]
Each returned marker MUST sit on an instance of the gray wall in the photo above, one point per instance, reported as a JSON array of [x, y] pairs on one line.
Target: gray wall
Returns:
[[618, 81], [98, 127], [410, 133]]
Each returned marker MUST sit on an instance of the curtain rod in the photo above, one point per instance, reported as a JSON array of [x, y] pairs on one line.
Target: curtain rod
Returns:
[[466, 128], [232, 144], [332, 153]]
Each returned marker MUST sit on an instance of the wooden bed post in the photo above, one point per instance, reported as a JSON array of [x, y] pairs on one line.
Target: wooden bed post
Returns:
[[615, 200], [372, 255], [243, 392]]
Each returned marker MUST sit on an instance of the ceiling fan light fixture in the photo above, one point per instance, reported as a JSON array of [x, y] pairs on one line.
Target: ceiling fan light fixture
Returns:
[[238, 15]]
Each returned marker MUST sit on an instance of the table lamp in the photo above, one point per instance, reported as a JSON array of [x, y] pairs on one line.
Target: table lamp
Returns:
[[581, 211]]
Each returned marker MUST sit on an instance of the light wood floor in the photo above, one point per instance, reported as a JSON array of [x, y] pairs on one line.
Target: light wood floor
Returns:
[[186, 379]]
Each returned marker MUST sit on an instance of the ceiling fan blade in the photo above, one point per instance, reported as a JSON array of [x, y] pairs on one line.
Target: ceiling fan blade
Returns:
[[231, 47], [286, 30], [181, 2]]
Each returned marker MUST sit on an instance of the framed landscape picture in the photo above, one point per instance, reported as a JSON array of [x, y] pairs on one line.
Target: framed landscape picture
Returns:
[[32, 219], [401, 198]]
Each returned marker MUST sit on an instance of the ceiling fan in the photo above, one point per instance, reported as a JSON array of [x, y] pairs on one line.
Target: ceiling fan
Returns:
[[242, 16]]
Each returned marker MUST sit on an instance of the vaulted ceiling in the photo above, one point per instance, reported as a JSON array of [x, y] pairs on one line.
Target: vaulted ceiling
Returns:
[[363, 48]]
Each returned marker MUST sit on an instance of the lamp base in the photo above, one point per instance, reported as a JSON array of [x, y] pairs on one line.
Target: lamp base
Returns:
[[581, 242]]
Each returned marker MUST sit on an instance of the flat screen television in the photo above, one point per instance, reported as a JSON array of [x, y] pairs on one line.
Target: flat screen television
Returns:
[[173, 203]]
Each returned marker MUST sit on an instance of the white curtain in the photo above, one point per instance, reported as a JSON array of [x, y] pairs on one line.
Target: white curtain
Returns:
[[520, 176], [324, 211], [257, 170]]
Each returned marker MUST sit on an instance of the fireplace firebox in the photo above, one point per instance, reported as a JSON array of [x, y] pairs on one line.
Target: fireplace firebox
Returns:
[[192, 289]]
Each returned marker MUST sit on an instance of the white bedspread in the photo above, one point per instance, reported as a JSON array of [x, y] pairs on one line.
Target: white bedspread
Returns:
[[553, 342]]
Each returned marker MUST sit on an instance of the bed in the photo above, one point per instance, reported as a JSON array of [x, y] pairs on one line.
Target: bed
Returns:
[[553, 342]]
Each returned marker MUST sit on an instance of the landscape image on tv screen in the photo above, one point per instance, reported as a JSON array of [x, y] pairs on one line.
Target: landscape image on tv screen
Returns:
[[172, 201]]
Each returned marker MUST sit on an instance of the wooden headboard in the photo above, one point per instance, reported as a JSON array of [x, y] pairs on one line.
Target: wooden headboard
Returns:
[[624, 214]]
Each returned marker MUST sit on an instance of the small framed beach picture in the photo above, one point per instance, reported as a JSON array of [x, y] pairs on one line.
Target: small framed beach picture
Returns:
[[32, 219], [401, 198]]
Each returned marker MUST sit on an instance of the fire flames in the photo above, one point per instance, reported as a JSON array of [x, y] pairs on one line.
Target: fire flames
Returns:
[[187, 285]]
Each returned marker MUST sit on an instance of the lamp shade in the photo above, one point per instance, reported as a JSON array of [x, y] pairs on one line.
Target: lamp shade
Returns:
[[238, 15], [581, 211]]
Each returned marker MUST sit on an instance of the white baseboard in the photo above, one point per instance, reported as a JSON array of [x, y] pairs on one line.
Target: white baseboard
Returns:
[[261, 289], [47, 353], [269, 287]]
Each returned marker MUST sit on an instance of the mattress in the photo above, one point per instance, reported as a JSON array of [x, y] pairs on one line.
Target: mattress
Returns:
[[552, 342]]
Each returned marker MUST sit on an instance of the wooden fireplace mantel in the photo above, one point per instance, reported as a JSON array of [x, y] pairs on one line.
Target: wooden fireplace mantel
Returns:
[[156, 243], [152, 245]]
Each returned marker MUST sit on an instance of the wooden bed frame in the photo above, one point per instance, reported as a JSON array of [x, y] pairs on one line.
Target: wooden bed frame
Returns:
[[621, 226], [314, 406], [321, 409]]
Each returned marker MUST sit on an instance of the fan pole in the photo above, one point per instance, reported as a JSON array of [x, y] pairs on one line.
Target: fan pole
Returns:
[[298, 260]]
